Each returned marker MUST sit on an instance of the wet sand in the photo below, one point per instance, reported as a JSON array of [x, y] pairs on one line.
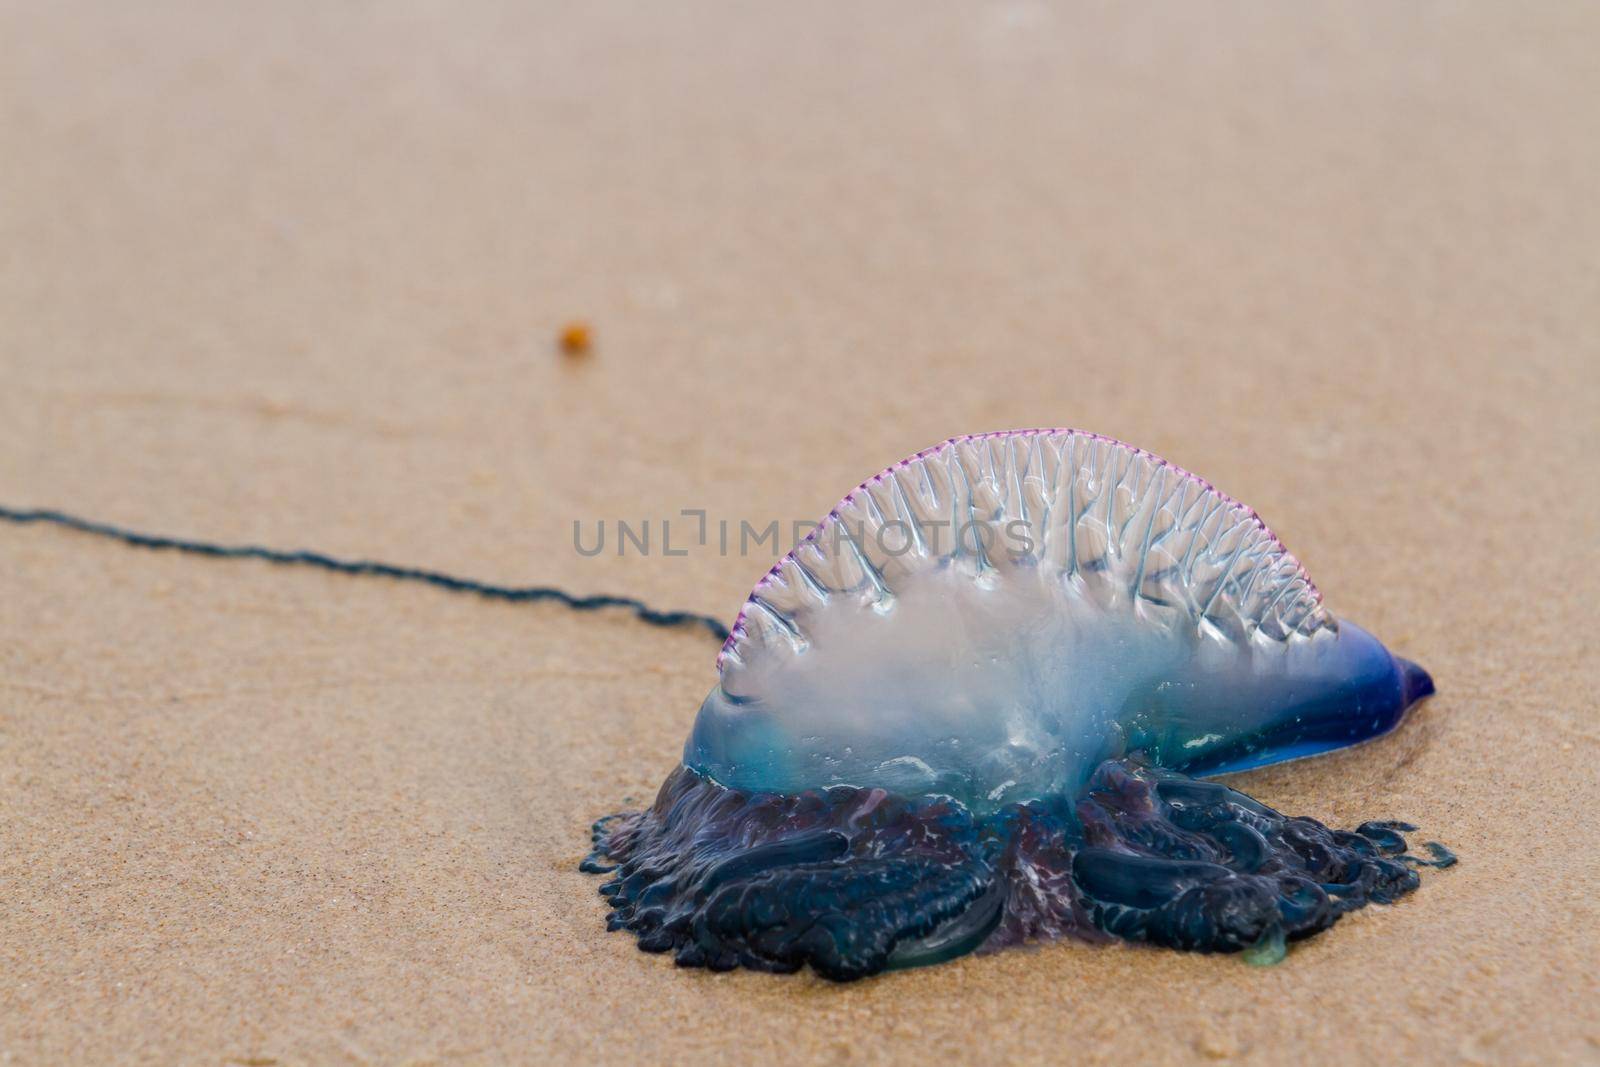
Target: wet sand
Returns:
[[297, 277]]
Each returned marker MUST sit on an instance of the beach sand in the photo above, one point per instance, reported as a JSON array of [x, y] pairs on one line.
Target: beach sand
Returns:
[[295, 274]]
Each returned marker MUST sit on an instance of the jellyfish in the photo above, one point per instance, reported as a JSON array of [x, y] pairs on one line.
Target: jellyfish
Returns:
[[976, 707]]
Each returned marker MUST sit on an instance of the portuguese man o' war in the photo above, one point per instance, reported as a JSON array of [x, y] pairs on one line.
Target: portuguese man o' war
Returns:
[[971, 709]]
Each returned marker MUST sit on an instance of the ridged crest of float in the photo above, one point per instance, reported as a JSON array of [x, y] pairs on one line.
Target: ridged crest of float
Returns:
[[1115, 521]]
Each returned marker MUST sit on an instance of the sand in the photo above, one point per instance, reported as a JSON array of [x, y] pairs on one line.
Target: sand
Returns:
[[295, 274]]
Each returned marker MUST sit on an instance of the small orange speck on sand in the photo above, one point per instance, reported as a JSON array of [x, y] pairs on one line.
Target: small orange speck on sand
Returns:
[[576, 339], [1216, 1045]]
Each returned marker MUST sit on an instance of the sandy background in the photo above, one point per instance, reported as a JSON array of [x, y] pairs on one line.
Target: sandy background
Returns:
[[291, 273]]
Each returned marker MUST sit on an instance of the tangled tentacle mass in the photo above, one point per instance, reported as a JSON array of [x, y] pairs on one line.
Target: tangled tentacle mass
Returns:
[[854, 881]]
